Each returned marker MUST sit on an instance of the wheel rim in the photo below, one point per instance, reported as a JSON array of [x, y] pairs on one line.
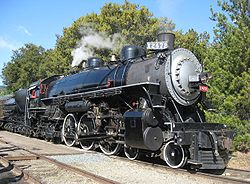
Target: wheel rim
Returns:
[[85, 126], [131, 153], [69, 130], [109, 148], [174, 155]]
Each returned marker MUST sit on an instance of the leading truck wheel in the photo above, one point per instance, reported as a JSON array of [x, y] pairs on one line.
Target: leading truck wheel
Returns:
[[69, 130], [174, 155]]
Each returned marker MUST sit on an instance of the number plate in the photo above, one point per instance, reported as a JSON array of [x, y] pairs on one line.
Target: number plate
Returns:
[[157, 45], [203, 89]]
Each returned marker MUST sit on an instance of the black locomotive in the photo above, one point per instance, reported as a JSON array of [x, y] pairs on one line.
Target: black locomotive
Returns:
[[146, 103]]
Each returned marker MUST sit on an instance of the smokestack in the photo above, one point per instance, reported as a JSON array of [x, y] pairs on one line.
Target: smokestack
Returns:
[[167, 37]]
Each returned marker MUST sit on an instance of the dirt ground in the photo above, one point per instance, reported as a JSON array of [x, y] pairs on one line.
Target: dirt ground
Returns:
[[240, 161]]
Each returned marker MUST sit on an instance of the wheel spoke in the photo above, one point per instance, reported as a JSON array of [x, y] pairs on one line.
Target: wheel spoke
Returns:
[[109, 148], [69, 130], [85, 126], [131, 153]]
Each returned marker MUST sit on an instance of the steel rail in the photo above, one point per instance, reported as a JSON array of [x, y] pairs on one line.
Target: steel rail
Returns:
[[184, 171], [21, 157], [81, 172], [62, 154], [28, 177], [225, 178], [236, 169], [105, 180], [84, 173]]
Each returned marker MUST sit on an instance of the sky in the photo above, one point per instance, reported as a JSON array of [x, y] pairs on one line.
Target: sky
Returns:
[[39, 21]]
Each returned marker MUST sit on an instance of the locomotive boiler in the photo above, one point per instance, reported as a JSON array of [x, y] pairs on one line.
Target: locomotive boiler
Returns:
[[146, 103]]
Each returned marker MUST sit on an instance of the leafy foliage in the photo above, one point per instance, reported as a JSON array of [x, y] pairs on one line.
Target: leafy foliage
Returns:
[[228, 60], [4, 91], [23, 67], [133, 23], [195, 42]]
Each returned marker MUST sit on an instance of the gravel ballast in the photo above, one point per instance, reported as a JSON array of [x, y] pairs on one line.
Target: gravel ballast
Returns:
[[125, 171], [114, 168]]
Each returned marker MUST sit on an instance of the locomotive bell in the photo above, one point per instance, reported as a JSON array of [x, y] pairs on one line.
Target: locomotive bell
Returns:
[[167, 37]]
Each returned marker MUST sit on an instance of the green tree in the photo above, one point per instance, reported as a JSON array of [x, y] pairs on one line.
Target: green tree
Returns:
[[53, 64], [4, 91], [228, 60], [134, 23], [195, 42], [23, 67]]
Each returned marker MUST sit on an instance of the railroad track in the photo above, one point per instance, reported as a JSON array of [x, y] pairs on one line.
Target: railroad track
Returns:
[[19, 174], [231, 175], [6, 161], [231, 172]]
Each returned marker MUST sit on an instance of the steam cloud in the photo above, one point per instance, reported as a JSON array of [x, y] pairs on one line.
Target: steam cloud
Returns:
[[92, 40]]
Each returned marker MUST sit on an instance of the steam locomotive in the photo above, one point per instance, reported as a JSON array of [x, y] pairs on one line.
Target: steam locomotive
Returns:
[[144, 103]]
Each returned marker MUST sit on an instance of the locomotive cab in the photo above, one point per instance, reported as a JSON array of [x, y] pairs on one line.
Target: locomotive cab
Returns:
[[35, 93]]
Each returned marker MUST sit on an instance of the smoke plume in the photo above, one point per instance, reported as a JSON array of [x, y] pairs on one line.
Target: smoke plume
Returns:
[[92, 40]]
